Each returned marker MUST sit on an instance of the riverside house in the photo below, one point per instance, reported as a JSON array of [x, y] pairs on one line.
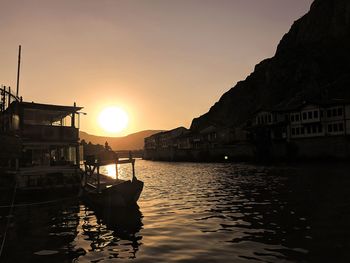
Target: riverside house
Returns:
[[331, 118], [311, 129], [210, 143]]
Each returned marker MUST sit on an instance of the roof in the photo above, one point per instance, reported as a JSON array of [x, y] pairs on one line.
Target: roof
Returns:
[[168, 132], [40, 106], [297, 103]]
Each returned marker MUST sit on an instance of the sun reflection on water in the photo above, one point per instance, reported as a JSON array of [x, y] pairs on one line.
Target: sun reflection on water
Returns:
[[124, 171], [110, 170]]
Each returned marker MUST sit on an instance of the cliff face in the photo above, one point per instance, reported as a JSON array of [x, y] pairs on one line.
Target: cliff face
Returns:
[[312, 61]]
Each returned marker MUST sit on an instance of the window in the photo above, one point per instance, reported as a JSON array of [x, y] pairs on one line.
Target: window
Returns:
[[321, 113], [330, 128], [292, 118], [308, 129], [297, 131], [329, 113], [314, 130], [302, 130], [270, 118], [304, 116], [334, 112], [341, 127], [265, 119], [320, 128], [297, 117], [316, 114], [293, 131], [335, 127], [340, 111], [309, 115]]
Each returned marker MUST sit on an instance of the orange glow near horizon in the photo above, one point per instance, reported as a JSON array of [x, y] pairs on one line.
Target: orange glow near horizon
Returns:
[[163, 62]]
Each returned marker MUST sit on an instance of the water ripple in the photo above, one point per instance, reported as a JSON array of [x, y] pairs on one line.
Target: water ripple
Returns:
[[199, 213]]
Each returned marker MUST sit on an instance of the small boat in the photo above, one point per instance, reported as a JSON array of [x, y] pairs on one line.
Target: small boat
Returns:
[[101, 191]]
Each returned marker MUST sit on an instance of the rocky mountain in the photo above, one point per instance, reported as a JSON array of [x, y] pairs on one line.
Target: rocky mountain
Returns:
[[312, 62], [134, 141]]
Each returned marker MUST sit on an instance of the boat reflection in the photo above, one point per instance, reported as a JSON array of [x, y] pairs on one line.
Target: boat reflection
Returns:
[[115, 233]]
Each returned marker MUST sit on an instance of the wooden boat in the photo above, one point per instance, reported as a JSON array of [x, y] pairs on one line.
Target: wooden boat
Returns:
[[102, 191]]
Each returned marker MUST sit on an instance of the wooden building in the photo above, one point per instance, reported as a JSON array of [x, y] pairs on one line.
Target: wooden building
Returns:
[[48, 138]]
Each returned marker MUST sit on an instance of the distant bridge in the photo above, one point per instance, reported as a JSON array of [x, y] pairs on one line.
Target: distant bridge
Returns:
[[126, 154]]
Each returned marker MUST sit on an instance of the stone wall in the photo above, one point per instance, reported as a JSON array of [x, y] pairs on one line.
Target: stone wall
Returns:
[[318, 148], [242, 151], [336, 147]]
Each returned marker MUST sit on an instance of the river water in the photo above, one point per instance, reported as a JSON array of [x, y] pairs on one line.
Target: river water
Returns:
[[194, 212]]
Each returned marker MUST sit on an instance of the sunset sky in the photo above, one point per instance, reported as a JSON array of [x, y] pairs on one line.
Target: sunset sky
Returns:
[[164, 62]]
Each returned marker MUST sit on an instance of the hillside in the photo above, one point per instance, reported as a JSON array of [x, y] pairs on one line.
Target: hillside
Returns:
[[312, 61], [133, 141]]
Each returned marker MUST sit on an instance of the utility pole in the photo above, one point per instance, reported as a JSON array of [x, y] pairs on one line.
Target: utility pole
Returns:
[[18, 70]]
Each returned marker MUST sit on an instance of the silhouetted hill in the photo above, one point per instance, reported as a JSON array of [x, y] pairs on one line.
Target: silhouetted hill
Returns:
[[133, 141], [312, 61]]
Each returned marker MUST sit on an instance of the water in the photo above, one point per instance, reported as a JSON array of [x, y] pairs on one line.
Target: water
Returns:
[[197, 213]]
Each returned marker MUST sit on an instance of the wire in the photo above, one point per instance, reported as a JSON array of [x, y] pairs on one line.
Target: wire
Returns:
[[8, 219], [39, 203]]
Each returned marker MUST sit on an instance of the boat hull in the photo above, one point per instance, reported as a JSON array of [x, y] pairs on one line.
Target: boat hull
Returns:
[[124, 194]]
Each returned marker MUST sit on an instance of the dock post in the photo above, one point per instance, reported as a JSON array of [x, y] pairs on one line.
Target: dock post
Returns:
[[86, 174], [116, 167], [98, 178], [133, 169], [72, 124], [9, 98]]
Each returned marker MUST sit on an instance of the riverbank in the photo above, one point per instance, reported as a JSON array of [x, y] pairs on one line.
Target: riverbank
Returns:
[[302, 150]]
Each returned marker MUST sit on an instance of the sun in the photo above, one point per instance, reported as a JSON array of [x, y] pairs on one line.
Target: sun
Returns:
[[113, 119]]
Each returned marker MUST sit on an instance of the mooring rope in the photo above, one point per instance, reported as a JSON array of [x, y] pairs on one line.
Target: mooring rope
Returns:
[[8, 218], [39, 203], [12, 206]]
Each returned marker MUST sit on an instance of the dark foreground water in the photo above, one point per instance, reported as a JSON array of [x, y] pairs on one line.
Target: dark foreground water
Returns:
[[197, 213]]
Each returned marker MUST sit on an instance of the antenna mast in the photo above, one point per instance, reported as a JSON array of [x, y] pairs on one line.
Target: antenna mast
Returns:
[[18, 69]]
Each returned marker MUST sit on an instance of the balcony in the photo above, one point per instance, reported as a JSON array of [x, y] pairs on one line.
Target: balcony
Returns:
[[49, 133]]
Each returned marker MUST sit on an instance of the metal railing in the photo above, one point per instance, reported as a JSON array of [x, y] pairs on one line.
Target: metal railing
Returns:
[[7, 97]]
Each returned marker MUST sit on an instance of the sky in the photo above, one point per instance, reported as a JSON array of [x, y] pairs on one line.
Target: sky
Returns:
[[164, 62]]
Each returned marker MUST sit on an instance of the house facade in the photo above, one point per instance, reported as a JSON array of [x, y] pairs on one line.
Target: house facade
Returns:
[[307, 120], [210, 143], [304, 127]]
